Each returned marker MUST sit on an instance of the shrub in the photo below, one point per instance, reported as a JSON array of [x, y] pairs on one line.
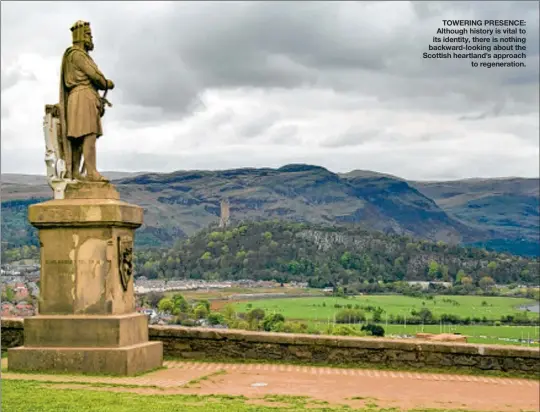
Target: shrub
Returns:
[[216, 318], [238, 324], [256, 314], [270, 321], [373, 330], [344, 330], [200, 312], [450, 318], [166, 305]]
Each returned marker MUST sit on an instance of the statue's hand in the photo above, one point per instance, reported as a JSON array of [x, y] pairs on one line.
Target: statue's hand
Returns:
[[110, 84]]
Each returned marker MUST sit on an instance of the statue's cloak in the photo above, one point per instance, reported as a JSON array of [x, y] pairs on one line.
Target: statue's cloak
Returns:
[[65, 144]]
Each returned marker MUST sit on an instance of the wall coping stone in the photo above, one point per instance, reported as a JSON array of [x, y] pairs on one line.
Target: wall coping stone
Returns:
[[343, 341]]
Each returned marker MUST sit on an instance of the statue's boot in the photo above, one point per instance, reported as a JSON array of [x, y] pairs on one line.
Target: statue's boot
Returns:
[[89, 152], [96, 177]]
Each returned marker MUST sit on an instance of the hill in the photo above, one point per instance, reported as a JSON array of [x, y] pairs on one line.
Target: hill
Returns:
[[323, 256], [181, 203], [509, 207]]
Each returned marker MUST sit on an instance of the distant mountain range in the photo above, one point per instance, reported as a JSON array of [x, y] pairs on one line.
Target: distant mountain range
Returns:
[[500, 214]]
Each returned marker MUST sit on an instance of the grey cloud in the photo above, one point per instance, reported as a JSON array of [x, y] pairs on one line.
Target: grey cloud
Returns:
[[495, 111], [256, 126], [165, 58], [11, 78], [284, 135], [353, 137], [222, 117]]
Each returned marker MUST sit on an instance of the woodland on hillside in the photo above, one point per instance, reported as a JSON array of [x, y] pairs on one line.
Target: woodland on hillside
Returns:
[[329, 256]]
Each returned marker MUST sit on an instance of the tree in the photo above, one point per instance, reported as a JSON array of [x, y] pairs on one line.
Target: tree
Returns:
[[256, 314], [466, 281], [206, 256], [373, 330], [166, 305], [425, 315], [339, 292], [460, 275], [270, 321], [443, 271], [486, 283], [215, 318], [153, 298], [229, 312], [350, 316], [205, 303], [377, 314], [180, 303], [433, 269], [8, 294], [200, 312]]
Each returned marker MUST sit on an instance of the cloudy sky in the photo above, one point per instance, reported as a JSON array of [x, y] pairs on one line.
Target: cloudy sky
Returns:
[[215, 85]]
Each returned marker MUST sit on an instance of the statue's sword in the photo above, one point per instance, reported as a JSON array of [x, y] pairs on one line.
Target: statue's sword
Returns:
[[104, 99]]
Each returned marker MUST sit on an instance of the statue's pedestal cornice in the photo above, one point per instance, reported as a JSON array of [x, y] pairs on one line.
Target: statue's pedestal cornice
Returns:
[[86, 204]]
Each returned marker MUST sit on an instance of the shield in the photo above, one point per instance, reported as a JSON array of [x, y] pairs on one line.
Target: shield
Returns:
[[125, 260]]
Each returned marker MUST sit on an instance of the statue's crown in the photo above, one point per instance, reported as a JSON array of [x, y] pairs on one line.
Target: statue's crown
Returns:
[[80, 31], [80, 24]]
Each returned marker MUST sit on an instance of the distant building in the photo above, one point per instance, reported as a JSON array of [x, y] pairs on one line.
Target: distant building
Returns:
[[225, 213], [425, 284]]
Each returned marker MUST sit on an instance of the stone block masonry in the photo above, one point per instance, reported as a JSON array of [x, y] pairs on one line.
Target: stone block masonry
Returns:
[[235, 345]]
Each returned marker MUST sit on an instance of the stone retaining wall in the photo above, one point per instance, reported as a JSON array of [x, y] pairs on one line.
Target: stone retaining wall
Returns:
[[223, 345]]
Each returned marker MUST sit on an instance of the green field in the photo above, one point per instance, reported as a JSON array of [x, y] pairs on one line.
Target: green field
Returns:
[[464, 306], [319, 313], [500, 335]]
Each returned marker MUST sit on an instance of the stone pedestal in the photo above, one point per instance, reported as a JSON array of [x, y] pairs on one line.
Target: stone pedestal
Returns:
[[87, 321]]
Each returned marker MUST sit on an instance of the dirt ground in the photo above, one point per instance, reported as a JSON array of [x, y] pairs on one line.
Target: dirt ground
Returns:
[[354, 387]]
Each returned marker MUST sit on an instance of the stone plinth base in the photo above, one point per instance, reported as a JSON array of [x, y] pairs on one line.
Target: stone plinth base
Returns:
[[125, 361], [85, 331], [86, 344]]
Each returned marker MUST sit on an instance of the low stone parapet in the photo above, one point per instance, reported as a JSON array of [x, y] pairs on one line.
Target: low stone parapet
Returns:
[[224, 345]]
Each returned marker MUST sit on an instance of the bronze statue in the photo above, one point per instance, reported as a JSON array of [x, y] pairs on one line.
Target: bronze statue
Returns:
[[81, 107]]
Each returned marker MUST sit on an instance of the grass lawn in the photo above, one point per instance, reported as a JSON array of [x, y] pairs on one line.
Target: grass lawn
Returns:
[[27, 396], [323, 308]]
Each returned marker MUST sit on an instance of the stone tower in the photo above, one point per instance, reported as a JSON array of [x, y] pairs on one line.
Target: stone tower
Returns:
[[225, 213]]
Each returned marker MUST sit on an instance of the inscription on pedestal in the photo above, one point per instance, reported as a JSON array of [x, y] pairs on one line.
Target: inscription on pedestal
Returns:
[[56, 214], [71, 262]]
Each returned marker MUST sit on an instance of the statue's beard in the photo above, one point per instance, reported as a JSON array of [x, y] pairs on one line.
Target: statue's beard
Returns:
[[89, 45]]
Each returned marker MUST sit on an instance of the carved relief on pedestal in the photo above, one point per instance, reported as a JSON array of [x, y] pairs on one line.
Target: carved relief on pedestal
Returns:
[[125, 260]]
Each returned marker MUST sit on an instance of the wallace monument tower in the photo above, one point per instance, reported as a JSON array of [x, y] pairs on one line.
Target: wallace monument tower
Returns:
[[87, 321]]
